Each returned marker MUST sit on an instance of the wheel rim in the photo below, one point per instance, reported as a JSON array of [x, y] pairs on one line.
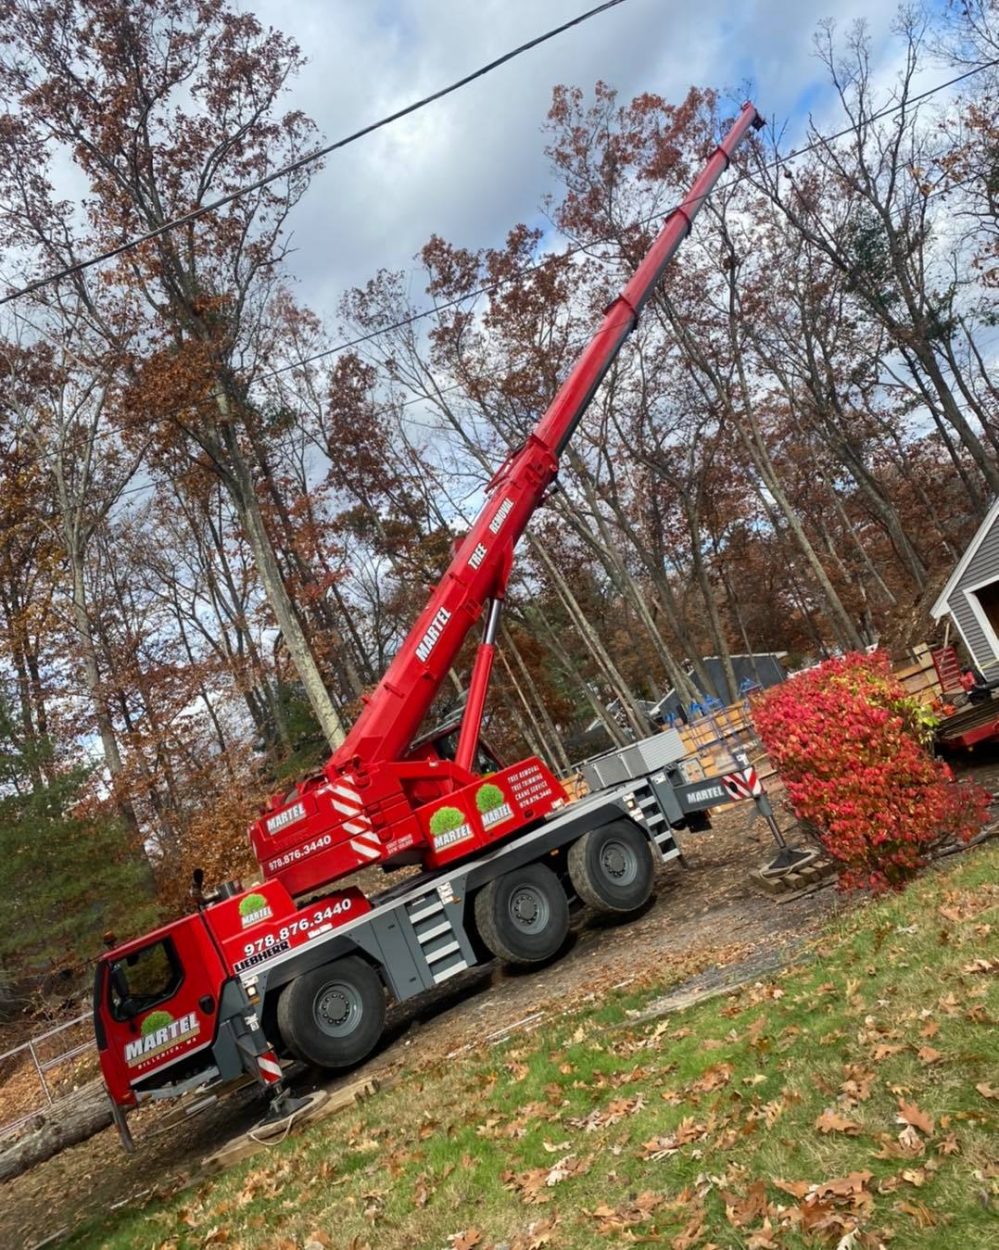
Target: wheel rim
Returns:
[[337, 1009], [618, 862], [529, 909]]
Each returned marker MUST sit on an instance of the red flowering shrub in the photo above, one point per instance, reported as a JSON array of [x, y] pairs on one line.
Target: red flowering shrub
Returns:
[[852, 749]]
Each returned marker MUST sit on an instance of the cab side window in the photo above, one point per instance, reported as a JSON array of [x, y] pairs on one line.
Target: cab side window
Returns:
[[143, 978]]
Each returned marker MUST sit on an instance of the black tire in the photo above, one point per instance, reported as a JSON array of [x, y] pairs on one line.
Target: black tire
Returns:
[[611, 868], [523, 917], [334, 1015]]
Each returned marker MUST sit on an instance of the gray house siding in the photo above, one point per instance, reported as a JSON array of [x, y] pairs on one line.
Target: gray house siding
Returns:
[[983, 567]]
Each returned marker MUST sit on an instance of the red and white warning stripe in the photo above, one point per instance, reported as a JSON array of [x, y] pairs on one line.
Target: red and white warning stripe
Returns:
[[367, 847], [743, 785], [350, 805], [269, 1067]]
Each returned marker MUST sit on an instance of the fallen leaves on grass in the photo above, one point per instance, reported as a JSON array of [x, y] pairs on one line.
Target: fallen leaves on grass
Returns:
[[763, 1238], [712, 1078], [830, 1121], [534, 1184], [986, 1090], [690, 1235], [909, 1113], [468, 1239], [743, 1210], [539, 1233], [919, 1211], [616, 1110], [856, 1086], [828, 1209], [851, 1187], [636, 1211], [687, 1131]]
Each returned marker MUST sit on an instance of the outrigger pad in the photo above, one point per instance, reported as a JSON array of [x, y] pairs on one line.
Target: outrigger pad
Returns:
[[286, 1105], [788, 859]]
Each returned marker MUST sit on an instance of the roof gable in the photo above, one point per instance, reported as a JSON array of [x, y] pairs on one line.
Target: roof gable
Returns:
[[940, 607]]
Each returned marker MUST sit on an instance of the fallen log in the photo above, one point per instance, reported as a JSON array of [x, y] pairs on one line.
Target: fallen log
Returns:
[[71, 1120]]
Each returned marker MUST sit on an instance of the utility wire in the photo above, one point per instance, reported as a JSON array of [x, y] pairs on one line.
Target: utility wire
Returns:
[[584, 246], [308, 159]]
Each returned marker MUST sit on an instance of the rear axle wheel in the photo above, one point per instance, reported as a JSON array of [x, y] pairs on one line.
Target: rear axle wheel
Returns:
[[523, 917], [611, 868]]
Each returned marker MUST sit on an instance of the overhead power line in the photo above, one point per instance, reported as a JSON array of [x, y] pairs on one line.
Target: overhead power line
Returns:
[[586, 245], [490, 288], [308, 159]]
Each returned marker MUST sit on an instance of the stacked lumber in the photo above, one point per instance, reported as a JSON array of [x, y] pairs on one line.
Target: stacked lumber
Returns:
[[919, 675], [711, 739]]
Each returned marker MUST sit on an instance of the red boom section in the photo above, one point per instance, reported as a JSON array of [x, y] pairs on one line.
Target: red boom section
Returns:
[[394, 712], [377, 802]]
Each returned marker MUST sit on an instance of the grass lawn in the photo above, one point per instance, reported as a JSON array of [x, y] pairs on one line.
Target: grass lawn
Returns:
[[850, 1102]]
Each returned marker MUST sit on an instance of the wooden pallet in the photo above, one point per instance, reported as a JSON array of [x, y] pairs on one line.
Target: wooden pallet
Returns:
[[322, 1106], [798, 880]]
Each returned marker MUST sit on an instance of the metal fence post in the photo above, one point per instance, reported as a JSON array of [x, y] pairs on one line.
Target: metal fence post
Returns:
[[41, 1074]]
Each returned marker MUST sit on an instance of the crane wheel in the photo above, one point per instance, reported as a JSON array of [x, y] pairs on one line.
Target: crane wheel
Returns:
[[334, 1015], [611, 868], [523, 916]]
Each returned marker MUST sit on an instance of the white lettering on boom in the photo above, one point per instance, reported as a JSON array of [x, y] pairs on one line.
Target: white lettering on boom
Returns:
[[502, 512], [429, 640]]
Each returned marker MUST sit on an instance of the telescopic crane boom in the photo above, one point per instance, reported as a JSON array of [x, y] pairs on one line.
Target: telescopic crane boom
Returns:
[[374, 800]]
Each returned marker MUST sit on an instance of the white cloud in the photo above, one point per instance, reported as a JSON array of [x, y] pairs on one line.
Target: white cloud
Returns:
[[470, 166]]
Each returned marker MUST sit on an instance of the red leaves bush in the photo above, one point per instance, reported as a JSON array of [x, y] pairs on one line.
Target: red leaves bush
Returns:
[[852, 749]]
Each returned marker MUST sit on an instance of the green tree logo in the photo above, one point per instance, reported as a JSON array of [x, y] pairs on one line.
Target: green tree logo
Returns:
[[252, 902], [154, 1021], [445, 819], [488, 798]]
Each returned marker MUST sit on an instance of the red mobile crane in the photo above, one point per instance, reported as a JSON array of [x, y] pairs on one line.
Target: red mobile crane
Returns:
[[178, 1008]]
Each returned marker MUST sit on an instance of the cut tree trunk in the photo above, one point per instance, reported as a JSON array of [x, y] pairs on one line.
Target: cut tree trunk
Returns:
[[71, 1120]]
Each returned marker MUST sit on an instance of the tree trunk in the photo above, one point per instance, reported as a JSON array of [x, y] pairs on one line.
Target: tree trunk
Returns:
[[708, 595], [67, 1122], [616, 567], [244, 498], [620, 686], [551, 734], [599, 711], [92, 679], [531, 733]]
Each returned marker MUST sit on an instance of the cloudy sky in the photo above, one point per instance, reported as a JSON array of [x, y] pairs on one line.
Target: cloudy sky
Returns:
[[470, 166]]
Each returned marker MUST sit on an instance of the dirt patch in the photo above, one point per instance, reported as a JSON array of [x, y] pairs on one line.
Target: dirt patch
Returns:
[[706, 914]]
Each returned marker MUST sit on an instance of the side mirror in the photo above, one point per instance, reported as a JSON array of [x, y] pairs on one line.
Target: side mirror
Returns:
[[119, 987], [119, 982], [197, 881]]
